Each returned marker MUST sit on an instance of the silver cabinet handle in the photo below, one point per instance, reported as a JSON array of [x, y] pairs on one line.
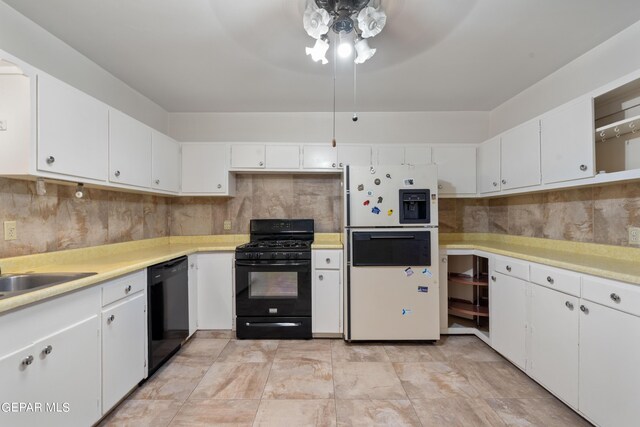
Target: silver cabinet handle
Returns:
[[615, 297], [550, 280], [192, 265], [47, 350], [508, 268], [111, 318], [127, 289], [157, 181], [50, 160], [569, 305], [117, 173], [493, 278], [439, 186], [219, 186], [321, 277], [583, 168], [261, 163], [328, 260], [504, 181], [27, 360], [333, 165], [584, 309], [341, 164], [444, 260], [495, 184]]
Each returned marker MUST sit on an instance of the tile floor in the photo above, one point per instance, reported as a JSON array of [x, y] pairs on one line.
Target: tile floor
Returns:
[[460, 381]]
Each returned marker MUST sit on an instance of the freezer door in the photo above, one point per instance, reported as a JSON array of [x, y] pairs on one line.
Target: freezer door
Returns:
[[374, 198], [391, 248], [394, 303]]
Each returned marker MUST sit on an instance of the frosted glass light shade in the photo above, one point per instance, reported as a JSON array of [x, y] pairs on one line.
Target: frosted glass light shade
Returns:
[[371, 21], [316, 21], [318, 51], [363, 50]]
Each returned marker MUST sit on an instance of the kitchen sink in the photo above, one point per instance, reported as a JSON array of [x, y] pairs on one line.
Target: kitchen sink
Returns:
[[13, 284]]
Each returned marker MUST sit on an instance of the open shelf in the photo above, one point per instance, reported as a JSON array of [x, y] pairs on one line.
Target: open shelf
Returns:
[[618, 129], [465, 279], [467, 309]]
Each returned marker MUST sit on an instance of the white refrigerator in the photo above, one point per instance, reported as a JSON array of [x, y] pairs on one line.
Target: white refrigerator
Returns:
[[391, 253]]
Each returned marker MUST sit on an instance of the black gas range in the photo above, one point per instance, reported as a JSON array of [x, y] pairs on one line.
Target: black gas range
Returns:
[[273, 280]]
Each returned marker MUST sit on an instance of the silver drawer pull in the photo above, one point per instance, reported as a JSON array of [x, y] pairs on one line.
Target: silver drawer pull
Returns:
[[495, 184], [51, 160], [321, 277], [508, 268], [127, 289], [584, 309], [583, 168], [615, 297], [111, 318], [27, 360], [493, 278], [550, 279], [47, 350], [569, 305], [117, 173], [328, 260], [504, 181]]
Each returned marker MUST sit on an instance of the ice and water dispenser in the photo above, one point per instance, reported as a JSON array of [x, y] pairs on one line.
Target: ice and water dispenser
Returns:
[[414, 207]]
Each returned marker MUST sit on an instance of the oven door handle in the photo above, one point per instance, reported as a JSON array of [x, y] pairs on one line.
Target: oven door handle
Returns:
[[289, 264], [269, 324], [375, 237]]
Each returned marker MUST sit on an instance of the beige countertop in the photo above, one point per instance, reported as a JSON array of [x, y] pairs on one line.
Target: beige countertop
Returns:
[[110, 261], [611, 262]]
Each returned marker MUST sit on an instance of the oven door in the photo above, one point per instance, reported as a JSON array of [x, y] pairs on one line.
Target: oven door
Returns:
[[273, 288]]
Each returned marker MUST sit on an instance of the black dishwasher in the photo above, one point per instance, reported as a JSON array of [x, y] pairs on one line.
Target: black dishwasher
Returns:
[[167, 310]]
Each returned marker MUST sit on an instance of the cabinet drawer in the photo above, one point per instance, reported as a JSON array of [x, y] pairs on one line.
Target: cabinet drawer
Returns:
[[327, 259], [554, 278], [621, 296], [511, 267], [123, 287]]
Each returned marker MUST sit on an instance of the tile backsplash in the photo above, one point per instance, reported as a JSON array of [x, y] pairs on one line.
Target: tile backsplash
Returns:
[[59, 221]]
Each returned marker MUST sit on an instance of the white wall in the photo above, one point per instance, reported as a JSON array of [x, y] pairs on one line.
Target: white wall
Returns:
[[614, 58], [371, 128], [28, 41]]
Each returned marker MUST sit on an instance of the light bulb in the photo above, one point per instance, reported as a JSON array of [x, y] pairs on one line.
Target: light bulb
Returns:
[[344, 49]]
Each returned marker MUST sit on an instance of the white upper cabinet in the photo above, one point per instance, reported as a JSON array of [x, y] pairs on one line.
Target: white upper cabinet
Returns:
[[489, 166], [72, 131], [520, 159], [355, 155], [248, 156], [390, 156], [319, 157], [456, 168], [204, 168], [129, 150], [165, 163], [417, 155], [399, 155], [567, 142], [283, 156]]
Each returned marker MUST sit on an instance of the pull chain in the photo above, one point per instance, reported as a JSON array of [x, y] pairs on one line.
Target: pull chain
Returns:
[[333, 141], [355, 80]]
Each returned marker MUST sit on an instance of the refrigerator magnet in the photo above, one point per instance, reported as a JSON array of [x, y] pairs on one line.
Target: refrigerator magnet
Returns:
[[379, 199], [360, 187], [424, 289], [366, 203], [390, 212], [427, 272], [377, 181], [375, 210], [408, 272]]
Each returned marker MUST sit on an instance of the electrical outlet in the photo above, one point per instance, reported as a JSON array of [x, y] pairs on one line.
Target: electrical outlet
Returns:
[[227, 224], [10, 230], [3, 125], [634, 235]]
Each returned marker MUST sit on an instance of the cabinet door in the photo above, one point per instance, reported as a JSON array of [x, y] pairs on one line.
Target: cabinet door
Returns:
[[417, 155], [129, 150], [390, 155], [72, 131], [508, 317], [319, 157], [520, 156], [165, 163], [326, 301], [456, 169], [204, 168], [283, 156], [609, 374], [567, 142], [19, 380], [247, 156], [489, 166], [554, 342], [193, 294], [355, 155], [443, 275], [215, 288], [123, 355], [70, 372]]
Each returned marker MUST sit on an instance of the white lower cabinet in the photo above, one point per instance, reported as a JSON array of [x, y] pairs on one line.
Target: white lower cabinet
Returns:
[[554, 342], [326, 292], [609, 374], [123, 349], [193, 293], [215, 290], [508, 316]]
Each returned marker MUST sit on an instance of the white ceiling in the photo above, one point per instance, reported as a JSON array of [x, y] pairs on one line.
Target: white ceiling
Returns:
[[248, 55]]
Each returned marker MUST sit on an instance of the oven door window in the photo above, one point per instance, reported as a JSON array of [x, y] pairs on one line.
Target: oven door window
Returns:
[[273, 284]]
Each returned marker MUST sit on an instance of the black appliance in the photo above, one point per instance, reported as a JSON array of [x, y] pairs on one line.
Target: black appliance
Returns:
[[391, 248], [273, 280], [167, 310]]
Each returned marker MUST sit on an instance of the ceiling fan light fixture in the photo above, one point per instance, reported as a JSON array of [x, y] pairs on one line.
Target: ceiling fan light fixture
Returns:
[[363, 51], [345, 45], [371, 21], [316, 21], [319, 50]]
